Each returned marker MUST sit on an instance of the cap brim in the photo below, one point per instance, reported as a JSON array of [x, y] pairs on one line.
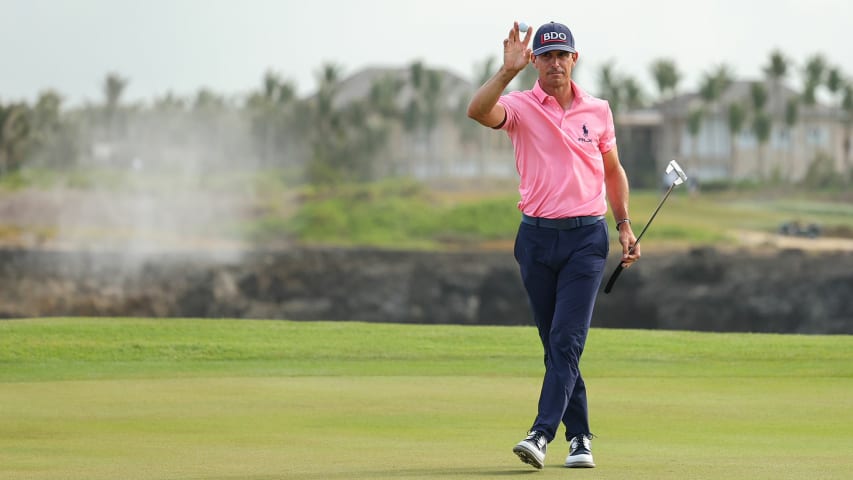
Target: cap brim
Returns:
[[548, 48]]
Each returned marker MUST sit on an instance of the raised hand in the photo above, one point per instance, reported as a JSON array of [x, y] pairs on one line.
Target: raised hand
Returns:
[[517, 54]]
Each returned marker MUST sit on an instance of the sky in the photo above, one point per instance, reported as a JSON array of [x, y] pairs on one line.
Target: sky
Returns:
[[180, 46]]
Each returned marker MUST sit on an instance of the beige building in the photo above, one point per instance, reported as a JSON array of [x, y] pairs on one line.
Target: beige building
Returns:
[[650, 138]]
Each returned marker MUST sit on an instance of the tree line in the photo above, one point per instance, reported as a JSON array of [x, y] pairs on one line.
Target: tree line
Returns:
[[331, 140]]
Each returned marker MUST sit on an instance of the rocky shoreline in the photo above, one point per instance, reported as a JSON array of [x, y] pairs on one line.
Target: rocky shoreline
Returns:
[[704, 289]]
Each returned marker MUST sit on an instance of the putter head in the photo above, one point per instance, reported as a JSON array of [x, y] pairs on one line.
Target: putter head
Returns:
[[681, 177]]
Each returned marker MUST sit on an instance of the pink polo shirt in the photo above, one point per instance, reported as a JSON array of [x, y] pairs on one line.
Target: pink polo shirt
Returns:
[[558, 153]]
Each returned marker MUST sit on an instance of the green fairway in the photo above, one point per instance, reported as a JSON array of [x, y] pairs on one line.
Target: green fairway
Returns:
[[239, 399]]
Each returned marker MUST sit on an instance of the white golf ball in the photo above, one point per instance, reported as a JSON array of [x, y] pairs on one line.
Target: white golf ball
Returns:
[[522, 27]]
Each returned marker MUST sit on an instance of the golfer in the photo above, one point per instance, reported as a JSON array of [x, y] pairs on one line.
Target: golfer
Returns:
[[565, 153]]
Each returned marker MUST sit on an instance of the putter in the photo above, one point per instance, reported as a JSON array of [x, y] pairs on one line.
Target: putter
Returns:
[[680, 177]]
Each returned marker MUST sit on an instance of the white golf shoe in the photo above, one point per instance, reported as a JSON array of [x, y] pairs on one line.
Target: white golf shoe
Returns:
[[580, 453], [531, 450]]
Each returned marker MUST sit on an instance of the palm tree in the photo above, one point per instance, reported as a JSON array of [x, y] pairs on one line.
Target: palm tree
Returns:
[[736, 119], [714, 84], [834, 81], [114, 86], [814, 72], [365, 135], [46, 115], [630, 97], [847, 111], [329, 76], [621, 92], [610, 86], [383, 105], [15, 133], [273, 123], [694, 125], [422, 114], [666, 76], [761, 126], [326, 130], [471, 133], [384, 92], [413, 115], [792, 114], [632, 93], [761, 122], [758, 94], [777, 70], [52, 138], [778, 67], [431, 92]]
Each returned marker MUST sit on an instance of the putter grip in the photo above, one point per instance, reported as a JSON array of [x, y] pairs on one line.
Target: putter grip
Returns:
[[613, 277]]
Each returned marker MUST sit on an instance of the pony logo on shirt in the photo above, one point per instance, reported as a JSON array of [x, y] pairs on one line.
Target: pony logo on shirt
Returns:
[[585, 138]]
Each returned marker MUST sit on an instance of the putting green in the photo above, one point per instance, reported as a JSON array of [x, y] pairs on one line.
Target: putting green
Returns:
[[205, 399]]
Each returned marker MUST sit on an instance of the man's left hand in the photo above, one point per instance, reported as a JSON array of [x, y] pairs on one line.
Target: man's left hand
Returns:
[[628, 240]]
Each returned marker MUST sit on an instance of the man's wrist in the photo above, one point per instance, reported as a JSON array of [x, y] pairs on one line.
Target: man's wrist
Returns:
[[510, 73], [620, 222]]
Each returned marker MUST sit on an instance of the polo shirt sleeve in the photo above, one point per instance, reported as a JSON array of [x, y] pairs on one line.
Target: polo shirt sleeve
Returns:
[[511, 104], [607, 140]]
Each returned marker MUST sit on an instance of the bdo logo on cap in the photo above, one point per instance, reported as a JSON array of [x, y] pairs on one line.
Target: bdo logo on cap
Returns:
[[549, 37]]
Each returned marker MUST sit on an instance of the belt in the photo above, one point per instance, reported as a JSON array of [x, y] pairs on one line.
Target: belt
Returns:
[[561, 223]]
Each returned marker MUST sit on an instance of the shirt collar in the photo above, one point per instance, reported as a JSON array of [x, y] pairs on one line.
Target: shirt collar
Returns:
[[541, 96]]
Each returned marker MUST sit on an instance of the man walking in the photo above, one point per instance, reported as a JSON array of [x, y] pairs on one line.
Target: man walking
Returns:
[[569, 168]]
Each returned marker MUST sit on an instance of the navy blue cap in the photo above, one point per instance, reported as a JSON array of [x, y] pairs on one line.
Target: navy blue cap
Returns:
[[553, 36]]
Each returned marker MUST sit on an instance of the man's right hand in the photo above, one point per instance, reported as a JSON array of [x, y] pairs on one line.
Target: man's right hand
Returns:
[[516, 52], [484, 106]]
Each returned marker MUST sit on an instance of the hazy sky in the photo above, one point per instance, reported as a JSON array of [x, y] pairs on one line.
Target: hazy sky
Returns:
[[227, 45]]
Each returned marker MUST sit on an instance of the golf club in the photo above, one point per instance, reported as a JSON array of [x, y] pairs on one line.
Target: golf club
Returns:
[[680, 177]]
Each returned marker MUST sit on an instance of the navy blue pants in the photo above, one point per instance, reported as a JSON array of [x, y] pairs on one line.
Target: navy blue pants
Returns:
[[562, 271]]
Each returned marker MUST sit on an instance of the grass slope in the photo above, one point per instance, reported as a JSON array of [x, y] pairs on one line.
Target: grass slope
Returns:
[[238, 399], [265, 209], [409, 215]]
